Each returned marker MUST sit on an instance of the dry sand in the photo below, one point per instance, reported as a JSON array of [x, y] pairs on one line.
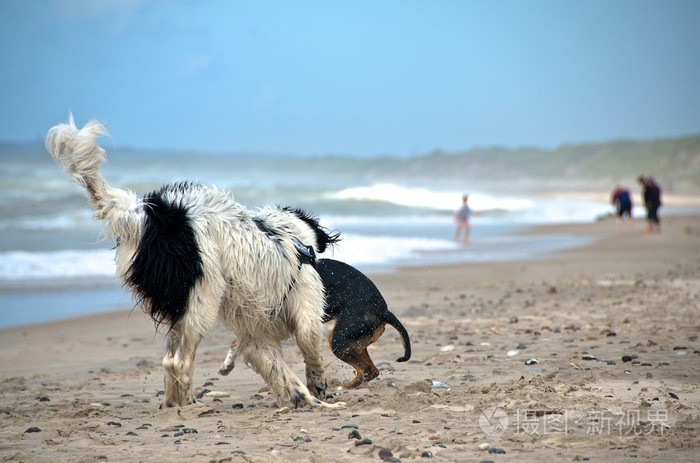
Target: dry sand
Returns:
[[91, 385]]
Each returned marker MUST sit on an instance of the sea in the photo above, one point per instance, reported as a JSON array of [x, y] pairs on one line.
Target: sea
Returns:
[[56, 264]]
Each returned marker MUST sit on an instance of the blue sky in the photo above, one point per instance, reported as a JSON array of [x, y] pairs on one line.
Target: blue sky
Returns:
[[351, 77]]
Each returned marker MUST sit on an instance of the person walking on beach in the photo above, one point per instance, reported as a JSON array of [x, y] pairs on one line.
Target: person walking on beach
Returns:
[[622, 200], [462, 216], [651, 197]]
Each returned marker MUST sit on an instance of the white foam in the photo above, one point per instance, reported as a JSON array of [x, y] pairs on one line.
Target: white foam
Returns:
[[423, 197], [362, 251], [19, 265]]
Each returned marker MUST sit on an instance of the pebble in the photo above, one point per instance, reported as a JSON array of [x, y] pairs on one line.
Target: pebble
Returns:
[[448, 348], [354, 434], [238, 405], [589, 357], [484, 446], [363, 442], [427, 454], [144, 364], [681, 352], [131, 433], [385, 453], [674, 395], [44, 399], [512, 353], [513, 320], [496, 450], [32, 429], [440, 385], [531, 362], [629, 358], [349, 426], [218, 394]]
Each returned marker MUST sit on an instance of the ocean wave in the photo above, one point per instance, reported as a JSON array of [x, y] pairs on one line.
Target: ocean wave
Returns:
[[430, 199], [22, 265], [355, 249]]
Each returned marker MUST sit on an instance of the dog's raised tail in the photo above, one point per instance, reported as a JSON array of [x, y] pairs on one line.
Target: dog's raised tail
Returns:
[[78, 154], [393, 321], [76, 151]]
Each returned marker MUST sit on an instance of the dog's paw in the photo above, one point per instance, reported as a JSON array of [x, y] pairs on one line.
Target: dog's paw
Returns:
[[225, 370]]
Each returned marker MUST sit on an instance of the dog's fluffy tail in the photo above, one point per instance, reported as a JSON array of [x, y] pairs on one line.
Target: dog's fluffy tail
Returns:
[[76, 151], [393, 321]]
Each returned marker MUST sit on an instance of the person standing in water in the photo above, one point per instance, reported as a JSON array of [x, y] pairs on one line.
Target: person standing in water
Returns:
[[462, 216]]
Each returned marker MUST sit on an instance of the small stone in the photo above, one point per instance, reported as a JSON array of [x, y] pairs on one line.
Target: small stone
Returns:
[[44, 399], [440, 385], [114, 423], [349, 426], [589, 357], [385, 453], [236, 406], [354, 434], [513, 320], [629, 358], [496, 450], [484, 446], [363, 442], [674, 395], [427, 454], [512, 353], [32, 429], [189, 431], [131, 433], [531, 362]]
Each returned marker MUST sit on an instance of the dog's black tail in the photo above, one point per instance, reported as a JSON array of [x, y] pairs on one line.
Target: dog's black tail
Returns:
[[393, 321]]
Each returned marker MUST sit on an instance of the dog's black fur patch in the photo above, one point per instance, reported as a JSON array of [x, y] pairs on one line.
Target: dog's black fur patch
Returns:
[[264, 227], [324, 237], [167, 262]]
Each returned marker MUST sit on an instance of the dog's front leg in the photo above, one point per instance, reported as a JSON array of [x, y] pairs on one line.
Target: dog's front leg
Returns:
[[179, 368], [171, 345]]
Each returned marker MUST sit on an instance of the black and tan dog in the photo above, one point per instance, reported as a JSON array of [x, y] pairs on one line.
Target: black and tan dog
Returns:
[[360, 314]]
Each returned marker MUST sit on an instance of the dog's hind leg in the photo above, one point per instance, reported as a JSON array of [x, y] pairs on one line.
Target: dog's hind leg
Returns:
[[230, 360], [353, 351], [306, 314], [266, 360]]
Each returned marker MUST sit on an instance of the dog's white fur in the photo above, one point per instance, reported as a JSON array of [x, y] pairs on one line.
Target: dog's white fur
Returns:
[[253, 283]]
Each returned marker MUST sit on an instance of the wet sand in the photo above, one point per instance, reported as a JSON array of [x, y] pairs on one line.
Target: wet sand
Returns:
[[613, 328]]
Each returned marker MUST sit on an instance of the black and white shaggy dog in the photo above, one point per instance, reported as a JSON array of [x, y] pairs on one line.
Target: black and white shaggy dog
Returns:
[[191, 255]]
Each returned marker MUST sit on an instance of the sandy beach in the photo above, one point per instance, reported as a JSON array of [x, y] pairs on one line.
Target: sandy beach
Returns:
[[587, 355]]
